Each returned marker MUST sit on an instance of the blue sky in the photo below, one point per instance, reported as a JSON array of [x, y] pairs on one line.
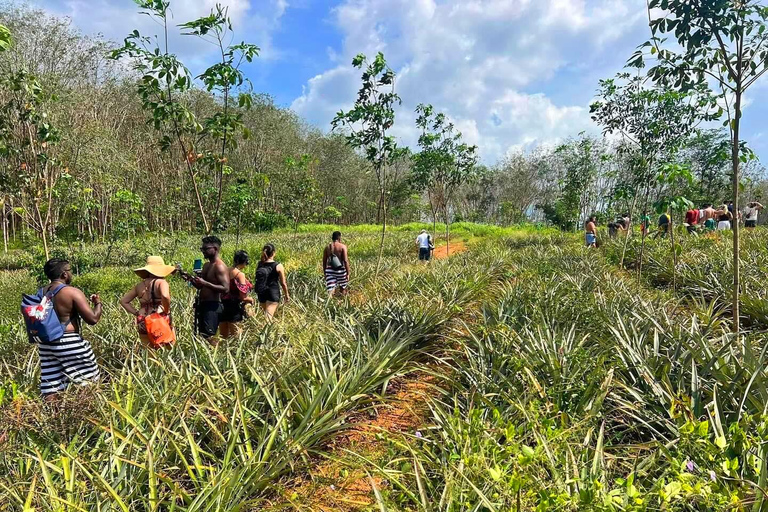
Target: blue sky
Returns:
[[512, 74]]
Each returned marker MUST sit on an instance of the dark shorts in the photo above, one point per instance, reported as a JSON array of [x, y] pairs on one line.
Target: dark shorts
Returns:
[[750, 223], [691, 229], [269, 295], [232, 311], [424, 254], [207, 317]]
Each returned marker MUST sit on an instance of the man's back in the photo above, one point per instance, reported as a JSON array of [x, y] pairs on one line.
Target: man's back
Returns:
[[423, 240]]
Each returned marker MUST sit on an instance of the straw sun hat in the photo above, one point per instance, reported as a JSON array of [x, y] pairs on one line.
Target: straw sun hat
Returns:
[[155, 266]]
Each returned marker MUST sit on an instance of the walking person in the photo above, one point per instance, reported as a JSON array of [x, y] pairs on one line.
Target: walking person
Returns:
[[691, 219], [270, 278], [53, 318], [154, 296], [590, 232], [750, 214], [424, 243], [212, 283], [236, 299], [663, 224], [336, 266], [724, 218]]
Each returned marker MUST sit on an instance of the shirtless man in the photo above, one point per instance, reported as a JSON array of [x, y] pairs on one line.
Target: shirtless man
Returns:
[[590, 232], [70, 358], [212, 282], [336, 265]]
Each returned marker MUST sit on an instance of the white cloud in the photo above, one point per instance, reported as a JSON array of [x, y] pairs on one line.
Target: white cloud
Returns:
[[115, 19], [486, 63]]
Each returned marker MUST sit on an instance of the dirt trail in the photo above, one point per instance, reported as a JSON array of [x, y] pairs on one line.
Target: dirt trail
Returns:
[[341, 485], [441, 252], [339, 482]]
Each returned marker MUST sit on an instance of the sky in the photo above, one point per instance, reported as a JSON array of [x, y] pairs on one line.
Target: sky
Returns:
[[511, 74]]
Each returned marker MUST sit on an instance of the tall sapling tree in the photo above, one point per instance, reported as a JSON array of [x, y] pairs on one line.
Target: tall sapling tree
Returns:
[[369, 122], [721, 45]]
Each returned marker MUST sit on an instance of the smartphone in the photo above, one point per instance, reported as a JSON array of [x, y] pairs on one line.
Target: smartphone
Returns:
[[198, 267]]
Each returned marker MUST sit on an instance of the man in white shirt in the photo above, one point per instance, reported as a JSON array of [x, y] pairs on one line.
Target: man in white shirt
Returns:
[[424, 242], [750, 214]]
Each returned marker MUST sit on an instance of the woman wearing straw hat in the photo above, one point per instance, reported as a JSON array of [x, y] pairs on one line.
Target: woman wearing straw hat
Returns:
[[153, 293]]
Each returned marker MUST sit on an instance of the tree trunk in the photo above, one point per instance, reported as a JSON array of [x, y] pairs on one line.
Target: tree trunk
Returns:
[[644, 232], [447, 233], [735, 163], [626, 235], [674, 254], [383, 231]]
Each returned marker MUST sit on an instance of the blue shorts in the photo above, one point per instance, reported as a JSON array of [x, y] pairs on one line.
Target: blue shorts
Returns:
[[591, 239]]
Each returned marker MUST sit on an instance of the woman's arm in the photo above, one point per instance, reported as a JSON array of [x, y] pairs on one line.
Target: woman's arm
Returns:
[[242, 281], [125, 302], [283, 282]]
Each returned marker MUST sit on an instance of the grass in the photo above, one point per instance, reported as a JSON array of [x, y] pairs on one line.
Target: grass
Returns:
[[557, 382]]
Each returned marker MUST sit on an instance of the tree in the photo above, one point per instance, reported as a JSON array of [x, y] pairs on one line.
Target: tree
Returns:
[[653, 123], [27, 139], [300, 199], [580, 159], [721, 46], [668, 177], [222, 77], [369, 122], [444, 163]]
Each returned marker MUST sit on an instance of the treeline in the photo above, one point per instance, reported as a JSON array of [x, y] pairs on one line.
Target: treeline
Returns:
[[89, 150]]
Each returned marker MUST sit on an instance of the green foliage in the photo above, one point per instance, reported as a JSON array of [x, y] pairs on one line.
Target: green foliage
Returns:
[[5, 38]]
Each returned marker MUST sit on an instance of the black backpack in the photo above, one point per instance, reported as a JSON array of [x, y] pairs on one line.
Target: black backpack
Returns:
[[263, 273]]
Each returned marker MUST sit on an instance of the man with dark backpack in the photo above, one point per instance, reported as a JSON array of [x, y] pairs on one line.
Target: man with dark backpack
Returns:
[[53, 319], [336, 265]]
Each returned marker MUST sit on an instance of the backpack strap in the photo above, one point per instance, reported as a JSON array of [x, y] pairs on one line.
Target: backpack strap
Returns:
[[52, 293]]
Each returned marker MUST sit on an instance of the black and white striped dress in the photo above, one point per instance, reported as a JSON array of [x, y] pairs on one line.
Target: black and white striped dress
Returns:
[[64, 361]]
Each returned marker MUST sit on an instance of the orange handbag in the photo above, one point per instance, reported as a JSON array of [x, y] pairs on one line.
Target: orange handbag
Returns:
[[159, 330]]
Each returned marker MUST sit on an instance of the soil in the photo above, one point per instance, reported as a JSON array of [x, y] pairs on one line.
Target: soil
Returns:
[[441, 252], [338, 484]]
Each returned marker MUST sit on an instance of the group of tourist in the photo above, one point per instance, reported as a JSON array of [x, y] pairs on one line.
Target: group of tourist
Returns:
[[706, 218], [223, 301]]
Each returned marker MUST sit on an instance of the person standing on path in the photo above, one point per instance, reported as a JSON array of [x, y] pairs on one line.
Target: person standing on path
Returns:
[[235, 300], [424, 242], [750, 214], [270, 278], [691, 219], [69, 359], [212, 282], [154, 296], [590, 232], [724, 218], [336, 266]]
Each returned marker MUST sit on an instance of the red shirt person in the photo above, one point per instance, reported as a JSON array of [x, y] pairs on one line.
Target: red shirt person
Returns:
[[692, 218]]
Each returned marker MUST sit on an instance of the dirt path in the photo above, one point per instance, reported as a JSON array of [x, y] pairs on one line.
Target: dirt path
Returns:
[[441, 252], [340, 483]]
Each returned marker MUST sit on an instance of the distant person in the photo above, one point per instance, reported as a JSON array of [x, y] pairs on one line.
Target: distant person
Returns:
[[663, 224], [691, 219], [590, 232], [336, 265], [709, 213], [750, 214], [645, 224], [424, 242], [626, 221], [613, 228], [724, 218], [270, 278], [235, 300], [212, 282], [154, 296], [68, 358]]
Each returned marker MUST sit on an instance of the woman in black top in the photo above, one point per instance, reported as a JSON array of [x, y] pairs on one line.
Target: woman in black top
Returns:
[[270, 277]]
